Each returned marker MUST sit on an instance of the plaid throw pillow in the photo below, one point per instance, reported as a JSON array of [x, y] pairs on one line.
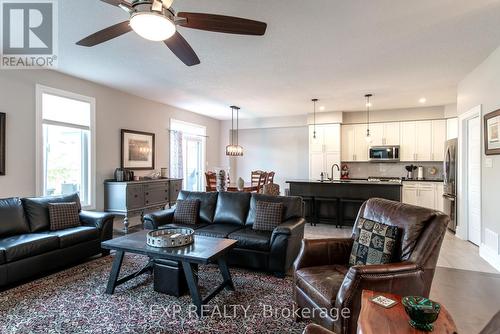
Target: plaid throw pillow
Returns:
[[187, 212], [64, 215], [375, 243], [268, 215]]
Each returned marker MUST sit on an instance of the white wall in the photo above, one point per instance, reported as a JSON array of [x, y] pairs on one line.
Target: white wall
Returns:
[[482, 86], [282, 150], [115, 110], [396, 115]]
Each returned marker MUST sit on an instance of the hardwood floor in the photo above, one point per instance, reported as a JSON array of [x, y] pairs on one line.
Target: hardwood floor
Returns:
[[464, 282]]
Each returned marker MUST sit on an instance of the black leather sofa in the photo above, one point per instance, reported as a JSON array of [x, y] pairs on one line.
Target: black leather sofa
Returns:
[[231, 215], [27, 246]]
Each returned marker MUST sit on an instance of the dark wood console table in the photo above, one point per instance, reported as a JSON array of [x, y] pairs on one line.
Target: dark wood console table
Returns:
[[135, 198]]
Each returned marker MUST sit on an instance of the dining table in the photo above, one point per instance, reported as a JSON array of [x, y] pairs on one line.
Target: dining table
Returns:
[[247, 188]]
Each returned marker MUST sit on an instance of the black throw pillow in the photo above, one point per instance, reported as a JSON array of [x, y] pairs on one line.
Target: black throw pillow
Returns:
[[64, 215], [268, 216], [187, 212], [374, 244]]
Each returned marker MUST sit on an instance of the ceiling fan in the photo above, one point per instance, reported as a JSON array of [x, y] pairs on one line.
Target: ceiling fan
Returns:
[[156, 20]]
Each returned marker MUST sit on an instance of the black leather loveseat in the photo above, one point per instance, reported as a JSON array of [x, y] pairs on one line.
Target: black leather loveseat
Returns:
[[231, 215], [27, 246]]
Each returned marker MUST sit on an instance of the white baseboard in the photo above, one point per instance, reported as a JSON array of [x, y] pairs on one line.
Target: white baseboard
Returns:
[[490, 255]]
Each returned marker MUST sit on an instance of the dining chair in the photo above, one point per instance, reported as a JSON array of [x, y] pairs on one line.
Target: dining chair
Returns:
[[270, 177], [256, 177], [261, 182], [211, 179]]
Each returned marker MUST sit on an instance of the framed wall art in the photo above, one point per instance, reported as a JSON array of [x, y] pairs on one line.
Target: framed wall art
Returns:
[[138, 150], [492, 133]]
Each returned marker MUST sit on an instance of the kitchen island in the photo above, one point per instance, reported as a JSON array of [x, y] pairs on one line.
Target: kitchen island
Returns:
[[338, 202]]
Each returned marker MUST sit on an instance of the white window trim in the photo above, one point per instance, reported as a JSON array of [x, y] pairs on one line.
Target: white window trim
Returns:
[[40, 90]]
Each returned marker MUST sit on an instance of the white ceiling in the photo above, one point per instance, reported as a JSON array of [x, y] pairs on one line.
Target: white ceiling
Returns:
[[336, 50]]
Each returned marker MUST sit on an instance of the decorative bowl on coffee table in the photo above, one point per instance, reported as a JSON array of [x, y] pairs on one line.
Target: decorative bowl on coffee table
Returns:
[[422, 311], [170, 237]]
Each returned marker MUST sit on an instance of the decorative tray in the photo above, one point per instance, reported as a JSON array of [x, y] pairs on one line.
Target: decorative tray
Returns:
[[170, 237]]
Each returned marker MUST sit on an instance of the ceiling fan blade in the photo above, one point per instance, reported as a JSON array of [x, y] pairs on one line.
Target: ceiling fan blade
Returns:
[[106, 34], [224, 24], [181, 48]]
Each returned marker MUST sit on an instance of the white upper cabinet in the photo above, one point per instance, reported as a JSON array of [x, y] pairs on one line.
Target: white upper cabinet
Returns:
[[407, 142], [377, 134], [354, 145], [423, 140], [418, 140], [384, 134], [438, 140], [324, 150], [391, 133]]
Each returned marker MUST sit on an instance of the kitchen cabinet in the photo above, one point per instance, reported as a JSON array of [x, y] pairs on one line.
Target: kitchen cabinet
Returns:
[[324, 150], [354, 144], [423, 140], [438, 139], [424, 194], [385, 134], [451, 128]]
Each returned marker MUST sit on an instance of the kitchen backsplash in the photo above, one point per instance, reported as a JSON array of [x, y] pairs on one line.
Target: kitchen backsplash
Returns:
[[363, 170]]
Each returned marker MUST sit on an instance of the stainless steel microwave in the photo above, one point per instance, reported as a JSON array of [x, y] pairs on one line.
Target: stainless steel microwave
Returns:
[[384, 153]]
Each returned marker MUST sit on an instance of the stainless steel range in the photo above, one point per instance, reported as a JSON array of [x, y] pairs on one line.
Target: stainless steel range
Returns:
[[382, 179]]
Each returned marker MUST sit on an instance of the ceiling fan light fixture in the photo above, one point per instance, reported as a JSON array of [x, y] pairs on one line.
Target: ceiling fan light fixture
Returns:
[[152, 26]]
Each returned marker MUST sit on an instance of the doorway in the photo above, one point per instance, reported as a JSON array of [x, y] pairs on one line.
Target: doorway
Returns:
[[469, 180]]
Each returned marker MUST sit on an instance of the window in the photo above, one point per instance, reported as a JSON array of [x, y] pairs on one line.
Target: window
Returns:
[[65, 144], [187, 154]]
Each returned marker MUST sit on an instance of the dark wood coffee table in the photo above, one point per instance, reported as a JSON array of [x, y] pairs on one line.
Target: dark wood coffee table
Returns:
[[204, 250], [374, 319]]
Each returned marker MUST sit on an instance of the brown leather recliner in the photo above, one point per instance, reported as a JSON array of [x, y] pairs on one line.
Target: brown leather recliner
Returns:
[[324, 281]]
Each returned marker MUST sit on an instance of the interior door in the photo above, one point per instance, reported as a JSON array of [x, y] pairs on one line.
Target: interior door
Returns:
[[193, 170], [474, 180]]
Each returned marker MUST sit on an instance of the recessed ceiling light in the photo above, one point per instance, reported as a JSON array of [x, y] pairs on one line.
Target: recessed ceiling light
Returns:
[[322, 108], [422, 100]]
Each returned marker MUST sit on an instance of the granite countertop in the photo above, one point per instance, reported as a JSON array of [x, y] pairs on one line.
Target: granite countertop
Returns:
[[424, 180], [347, 182]]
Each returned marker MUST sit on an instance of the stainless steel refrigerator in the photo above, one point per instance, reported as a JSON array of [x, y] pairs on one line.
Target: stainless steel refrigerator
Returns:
[[450, 182]]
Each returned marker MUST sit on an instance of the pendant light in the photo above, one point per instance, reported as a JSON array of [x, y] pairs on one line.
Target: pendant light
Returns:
[[234, 149], [368, 137], [314, 101]]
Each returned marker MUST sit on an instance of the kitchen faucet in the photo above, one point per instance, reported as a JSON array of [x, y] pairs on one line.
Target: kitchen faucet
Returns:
[[338, 168]]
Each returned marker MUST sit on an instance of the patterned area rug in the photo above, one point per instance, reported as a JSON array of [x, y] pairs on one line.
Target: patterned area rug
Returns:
[[73, 301]]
